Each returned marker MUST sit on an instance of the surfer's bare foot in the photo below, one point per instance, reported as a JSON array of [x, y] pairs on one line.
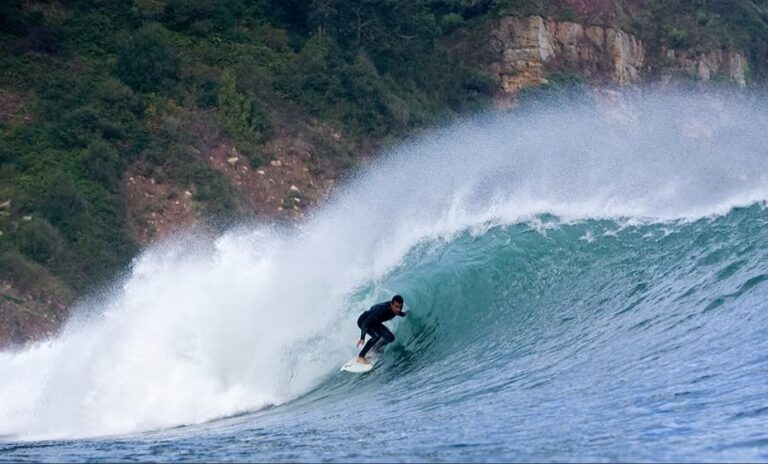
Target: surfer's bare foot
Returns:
[[362, 360]]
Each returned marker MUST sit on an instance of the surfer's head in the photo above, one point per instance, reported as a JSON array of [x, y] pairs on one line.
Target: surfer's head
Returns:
[[396, 304]]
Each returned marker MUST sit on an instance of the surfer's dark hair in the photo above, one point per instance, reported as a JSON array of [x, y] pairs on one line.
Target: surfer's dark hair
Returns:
[[397, 299]]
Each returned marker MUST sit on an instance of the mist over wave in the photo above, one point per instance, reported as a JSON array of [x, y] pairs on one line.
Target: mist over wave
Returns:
[[204, 328]]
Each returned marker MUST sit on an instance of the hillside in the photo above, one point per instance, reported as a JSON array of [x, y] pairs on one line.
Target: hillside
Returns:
[[121, 122]]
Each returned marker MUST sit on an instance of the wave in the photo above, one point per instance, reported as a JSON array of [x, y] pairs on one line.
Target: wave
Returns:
[[536, 235]]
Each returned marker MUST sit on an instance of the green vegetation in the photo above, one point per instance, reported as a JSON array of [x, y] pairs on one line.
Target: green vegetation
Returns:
[[153, 84], [149, 61], [114, 84]]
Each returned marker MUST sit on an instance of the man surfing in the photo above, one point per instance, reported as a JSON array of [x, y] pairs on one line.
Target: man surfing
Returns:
[[370, 322]]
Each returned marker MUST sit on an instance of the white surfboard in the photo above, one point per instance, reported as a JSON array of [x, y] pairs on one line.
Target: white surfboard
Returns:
[[358, 368]]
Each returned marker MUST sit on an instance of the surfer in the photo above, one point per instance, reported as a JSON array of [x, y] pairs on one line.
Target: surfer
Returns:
[[370, 322]]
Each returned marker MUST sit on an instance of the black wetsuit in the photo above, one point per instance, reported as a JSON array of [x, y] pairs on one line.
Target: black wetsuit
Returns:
[[370, 322]]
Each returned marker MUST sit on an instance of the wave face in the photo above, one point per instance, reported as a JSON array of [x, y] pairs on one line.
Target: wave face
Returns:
[[585, 281]]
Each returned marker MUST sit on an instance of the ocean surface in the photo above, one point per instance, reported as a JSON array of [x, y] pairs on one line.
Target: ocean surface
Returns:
[[586, 281]]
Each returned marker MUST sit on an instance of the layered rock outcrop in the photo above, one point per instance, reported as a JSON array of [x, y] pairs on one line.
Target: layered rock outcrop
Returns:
[[529, 49], [714, 64]]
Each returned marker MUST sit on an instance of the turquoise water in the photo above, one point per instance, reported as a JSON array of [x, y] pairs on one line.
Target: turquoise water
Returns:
[[583, 285]]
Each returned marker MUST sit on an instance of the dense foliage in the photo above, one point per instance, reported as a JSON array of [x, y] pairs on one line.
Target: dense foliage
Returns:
[[108, 84]]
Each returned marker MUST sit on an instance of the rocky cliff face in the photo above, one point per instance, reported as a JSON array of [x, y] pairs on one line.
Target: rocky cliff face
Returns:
[[714, 64], [529, 49]]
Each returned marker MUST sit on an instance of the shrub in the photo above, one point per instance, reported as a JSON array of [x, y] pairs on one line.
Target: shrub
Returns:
[[113, 95], [451, 22], [365, 111], [479, 80], [101, 163], [702, 18], [242, 116], [318, 69], [208, 97], [38, 240], [214, 191], [677, 37], [32, 277], [81, 126], [62, 204], [149, 62], [25, 275]]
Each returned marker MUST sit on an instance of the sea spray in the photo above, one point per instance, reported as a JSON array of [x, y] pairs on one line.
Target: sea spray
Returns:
[[205, 328]]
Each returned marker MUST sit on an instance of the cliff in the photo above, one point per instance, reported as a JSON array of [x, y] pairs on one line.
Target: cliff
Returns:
[[529, 49]]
